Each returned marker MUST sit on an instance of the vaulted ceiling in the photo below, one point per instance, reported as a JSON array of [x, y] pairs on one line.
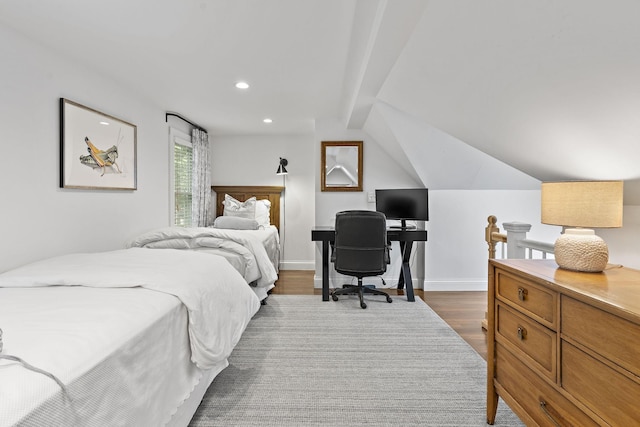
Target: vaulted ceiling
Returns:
[[549, 87]]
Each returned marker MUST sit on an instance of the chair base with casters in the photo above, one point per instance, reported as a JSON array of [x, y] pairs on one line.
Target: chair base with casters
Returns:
[[360, 290]]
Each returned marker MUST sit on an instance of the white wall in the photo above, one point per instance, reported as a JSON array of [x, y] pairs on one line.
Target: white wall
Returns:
[[465, 186], [624, 243], [455, 255], [253, 160], [379, 171], [38, 218]]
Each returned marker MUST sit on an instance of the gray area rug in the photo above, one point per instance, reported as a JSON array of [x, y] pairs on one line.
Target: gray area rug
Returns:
[[305, 362]]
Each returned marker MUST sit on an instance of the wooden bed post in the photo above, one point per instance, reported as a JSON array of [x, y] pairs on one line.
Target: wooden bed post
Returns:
[[492, 236], [488, 235]]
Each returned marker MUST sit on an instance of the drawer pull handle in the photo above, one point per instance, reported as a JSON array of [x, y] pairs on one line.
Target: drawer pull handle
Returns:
[[522, 294], [543, 406], [522, 333]]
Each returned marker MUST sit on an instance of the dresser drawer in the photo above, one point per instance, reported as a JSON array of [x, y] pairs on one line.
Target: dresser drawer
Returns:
[[537, 343], [534, 300], [529, 390], [612, 395], [611, 336]]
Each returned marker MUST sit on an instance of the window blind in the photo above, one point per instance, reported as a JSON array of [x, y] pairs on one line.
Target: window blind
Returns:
[[183, 166]]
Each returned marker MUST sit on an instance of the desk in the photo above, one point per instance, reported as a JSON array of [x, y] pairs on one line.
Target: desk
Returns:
[[406, 237]]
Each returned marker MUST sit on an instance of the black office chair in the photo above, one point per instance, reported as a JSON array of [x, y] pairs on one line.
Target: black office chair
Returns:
[[360, 250]]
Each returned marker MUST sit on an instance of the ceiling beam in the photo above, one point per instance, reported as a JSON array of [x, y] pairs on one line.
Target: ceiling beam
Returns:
[[387, 29]]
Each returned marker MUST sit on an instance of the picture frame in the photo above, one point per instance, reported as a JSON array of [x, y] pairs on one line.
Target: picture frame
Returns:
[[97, 151], [341, 166]]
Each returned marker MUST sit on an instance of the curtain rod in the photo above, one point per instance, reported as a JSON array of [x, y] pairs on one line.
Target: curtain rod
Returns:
[[166, 119]]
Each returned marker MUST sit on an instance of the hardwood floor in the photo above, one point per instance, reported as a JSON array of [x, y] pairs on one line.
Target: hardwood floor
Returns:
[[463, 311]]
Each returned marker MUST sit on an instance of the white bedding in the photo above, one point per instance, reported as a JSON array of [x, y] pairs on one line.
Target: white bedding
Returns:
[[259, 249], [124, 353]]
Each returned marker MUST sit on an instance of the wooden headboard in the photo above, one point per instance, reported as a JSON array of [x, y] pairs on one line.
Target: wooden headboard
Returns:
[[242, 193]]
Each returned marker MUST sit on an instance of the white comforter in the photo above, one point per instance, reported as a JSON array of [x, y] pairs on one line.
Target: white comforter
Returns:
[[122, 355], [259, 267], [218, 301]]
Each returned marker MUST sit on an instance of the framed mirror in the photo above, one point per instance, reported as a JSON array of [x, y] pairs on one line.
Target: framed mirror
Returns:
[[341, 166]]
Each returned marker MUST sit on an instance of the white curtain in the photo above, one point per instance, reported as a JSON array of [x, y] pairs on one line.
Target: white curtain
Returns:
[[201, 180]]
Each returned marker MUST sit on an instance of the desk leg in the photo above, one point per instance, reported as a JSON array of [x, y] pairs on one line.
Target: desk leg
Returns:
[[401, 278], [325, 270], [405, 272]]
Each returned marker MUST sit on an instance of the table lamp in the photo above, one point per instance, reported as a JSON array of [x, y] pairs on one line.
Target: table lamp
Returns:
[[582, 205]]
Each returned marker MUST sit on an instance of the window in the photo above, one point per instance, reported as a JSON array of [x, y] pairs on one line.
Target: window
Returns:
[[181, 165]]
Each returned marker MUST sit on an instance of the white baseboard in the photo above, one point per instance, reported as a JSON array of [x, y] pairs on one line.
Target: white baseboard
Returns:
[[455, 285], [297, 265], [436, 285]]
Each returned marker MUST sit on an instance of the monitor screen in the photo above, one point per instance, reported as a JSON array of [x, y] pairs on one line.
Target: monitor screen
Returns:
[[404, 204]]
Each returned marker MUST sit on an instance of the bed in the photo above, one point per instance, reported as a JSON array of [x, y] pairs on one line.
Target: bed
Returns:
[[126, 337], [245, 233], [268, 194], [243, 193]]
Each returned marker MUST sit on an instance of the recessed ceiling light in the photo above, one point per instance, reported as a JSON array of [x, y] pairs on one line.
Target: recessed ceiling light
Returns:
[[104, 123], [242, 85], [268, 120]]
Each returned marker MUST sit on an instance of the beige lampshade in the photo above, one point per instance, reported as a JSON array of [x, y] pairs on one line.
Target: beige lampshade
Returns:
[[587, 205], [591, 204]]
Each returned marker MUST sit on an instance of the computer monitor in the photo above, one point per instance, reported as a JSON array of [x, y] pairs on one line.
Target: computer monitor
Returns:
[[404, 204]]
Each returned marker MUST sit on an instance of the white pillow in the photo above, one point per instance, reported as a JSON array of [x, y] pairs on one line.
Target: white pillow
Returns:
[[233, 207], [263, 212], [235, 223]]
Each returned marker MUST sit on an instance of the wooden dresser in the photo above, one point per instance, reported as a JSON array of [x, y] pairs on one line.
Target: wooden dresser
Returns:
[[564, 347]]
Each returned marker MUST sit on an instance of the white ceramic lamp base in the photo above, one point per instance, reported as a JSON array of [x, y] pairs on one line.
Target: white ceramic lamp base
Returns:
[[580, 249]]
